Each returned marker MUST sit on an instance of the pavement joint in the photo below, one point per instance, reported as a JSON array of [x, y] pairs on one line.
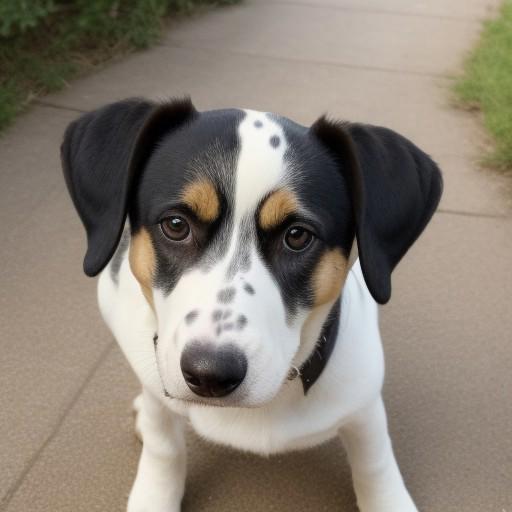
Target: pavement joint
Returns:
[[461, 19], [49, 104], [481, 215], [11, 491], [344, 65]]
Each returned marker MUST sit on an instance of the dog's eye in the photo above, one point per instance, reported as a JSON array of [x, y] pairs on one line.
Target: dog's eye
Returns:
[[298, 238], [175, 228]]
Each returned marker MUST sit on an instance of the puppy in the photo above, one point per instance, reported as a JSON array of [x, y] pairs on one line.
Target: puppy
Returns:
[[223, 238]]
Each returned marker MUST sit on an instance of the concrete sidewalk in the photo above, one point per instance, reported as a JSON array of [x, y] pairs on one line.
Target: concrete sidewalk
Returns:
[[66, 435]]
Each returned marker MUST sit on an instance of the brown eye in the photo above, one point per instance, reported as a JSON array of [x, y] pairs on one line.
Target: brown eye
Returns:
[[175, 228], [298, 238]]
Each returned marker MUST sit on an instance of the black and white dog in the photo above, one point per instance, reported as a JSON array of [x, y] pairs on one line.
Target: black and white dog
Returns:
[[222, 239]]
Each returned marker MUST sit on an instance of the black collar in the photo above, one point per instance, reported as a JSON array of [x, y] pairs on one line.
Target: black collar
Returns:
[[315, 364]]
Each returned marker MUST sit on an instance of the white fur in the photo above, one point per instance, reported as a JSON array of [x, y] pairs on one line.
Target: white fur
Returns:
[[260, 167], [267, 413]]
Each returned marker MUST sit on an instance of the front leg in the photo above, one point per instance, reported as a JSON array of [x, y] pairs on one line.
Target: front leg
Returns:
[[377, 480], [160, 479]]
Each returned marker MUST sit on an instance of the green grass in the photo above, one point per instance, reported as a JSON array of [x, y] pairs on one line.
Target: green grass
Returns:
[[487, 86], [46, 43]]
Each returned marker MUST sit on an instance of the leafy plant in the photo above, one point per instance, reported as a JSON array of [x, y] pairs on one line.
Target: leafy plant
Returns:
[[44, 43], [487, 85], [19, 16]]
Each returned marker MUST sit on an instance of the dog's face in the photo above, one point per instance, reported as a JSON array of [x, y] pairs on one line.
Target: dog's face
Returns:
[[241, 226]]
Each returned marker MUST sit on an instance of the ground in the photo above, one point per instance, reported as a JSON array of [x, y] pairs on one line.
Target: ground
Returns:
[[66, 435]]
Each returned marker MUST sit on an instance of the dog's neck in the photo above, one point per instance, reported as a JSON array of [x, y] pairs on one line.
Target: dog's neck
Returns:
[[319, 339], [313, 367]]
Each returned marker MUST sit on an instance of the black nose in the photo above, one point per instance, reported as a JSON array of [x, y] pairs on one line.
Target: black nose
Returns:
[[212, 371]]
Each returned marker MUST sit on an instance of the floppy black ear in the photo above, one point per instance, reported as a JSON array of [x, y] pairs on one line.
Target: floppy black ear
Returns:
[[102, 155], [395, 189]]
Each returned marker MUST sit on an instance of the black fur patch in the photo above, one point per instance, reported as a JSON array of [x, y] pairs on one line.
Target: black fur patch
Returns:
[[191, 316], [394, 189], [226, 295], [275, 141], [241, 322], [195, 151], [249, 288], [103, 154], [321, 190]]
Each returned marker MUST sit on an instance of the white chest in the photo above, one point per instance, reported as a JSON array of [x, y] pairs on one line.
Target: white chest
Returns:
[[285, 425]]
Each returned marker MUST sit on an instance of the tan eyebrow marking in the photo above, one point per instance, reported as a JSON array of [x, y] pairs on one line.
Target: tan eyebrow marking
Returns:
[[143, 262], [202, 198], [329, 276], [277, 207]]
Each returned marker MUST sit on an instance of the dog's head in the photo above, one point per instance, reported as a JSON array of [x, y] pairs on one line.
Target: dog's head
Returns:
[[241, 226]]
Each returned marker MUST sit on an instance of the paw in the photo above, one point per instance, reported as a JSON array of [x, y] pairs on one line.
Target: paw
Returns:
[[146, 497], [388, 503], [384, 491]]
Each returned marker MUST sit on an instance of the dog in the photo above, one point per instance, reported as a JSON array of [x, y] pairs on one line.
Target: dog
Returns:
[[223, 241]]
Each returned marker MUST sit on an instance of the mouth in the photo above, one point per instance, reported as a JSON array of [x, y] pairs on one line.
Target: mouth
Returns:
[[201, 403], [229, 401]]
